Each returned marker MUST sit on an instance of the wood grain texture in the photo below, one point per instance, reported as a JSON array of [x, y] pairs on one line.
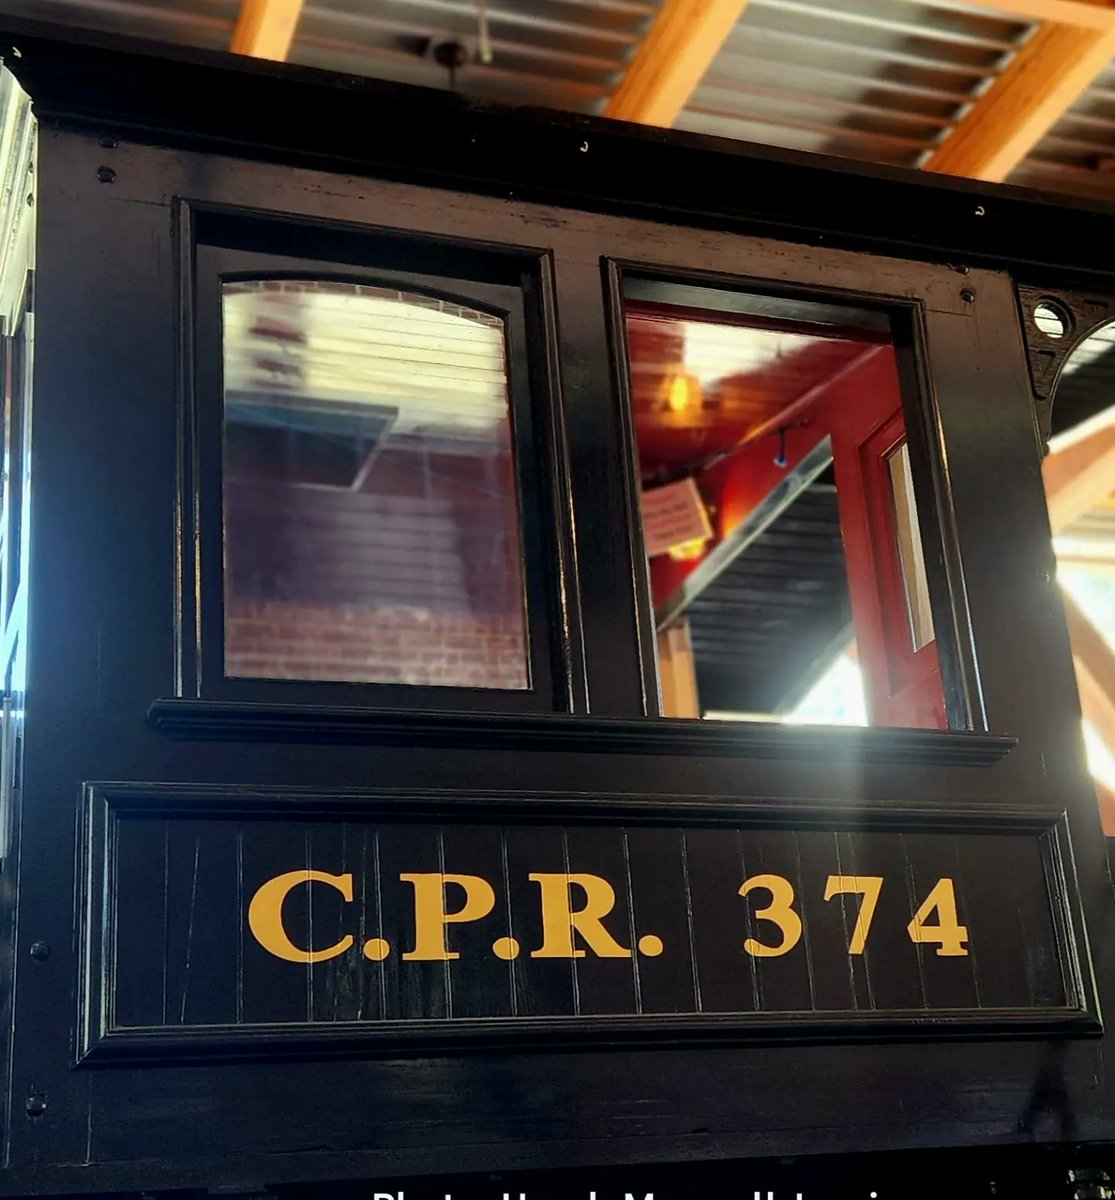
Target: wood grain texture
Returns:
[[1088, 14], [104, 648], [265, 28], [671, 61], [1078, 475], [1032, 92]]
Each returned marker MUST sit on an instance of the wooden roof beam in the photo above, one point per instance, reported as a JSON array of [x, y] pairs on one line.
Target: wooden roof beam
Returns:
[[1036, 87], [1094, 14], [265, 28], [1095, 680], [1079, 473], [684, 38]]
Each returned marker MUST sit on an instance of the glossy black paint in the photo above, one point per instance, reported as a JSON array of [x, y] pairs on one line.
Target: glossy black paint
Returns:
[[297, 113], [132, 148], [175, 867], [501, 283]]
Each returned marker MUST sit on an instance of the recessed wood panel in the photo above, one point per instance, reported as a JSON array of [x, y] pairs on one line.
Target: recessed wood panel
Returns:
[[221, 922]]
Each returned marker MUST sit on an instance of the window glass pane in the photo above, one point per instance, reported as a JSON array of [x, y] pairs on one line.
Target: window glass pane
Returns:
[[370, 500], [784, 552], [915, 585]]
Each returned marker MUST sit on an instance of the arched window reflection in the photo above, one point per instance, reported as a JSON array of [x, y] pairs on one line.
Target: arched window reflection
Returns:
[[370, 500]]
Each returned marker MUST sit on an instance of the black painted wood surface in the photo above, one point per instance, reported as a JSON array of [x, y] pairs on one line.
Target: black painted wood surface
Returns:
[[166, 1050]]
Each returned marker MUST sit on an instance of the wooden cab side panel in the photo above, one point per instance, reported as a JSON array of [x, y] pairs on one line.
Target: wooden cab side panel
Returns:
[[169, 1042]]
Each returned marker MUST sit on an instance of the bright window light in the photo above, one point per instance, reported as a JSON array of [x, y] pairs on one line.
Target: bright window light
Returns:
[[835, 699]]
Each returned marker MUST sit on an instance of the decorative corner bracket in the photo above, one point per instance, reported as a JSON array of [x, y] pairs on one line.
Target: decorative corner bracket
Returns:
[[1054, 323]]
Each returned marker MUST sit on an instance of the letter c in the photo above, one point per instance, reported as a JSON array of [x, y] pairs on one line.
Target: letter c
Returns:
[[265, 915]]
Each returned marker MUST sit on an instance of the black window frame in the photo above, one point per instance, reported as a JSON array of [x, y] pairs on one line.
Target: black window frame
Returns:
[[493, 279], [819, 306]]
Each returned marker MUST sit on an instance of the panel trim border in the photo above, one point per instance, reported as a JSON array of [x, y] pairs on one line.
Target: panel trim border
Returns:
[[100, 1043], [226, 720]]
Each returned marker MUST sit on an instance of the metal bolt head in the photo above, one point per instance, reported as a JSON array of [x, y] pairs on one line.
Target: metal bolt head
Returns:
[[35, 1105], [40, 951], [967, 295], [109, 142], [106, 175]]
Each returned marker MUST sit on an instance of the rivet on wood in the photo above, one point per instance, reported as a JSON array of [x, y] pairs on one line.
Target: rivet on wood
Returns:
[[106, 175]]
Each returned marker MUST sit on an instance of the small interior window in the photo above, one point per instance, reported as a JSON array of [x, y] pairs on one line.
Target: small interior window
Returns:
[[783, 545]]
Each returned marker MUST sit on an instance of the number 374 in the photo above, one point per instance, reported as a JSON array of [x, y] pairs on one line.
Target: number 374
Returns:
[[949, 936]]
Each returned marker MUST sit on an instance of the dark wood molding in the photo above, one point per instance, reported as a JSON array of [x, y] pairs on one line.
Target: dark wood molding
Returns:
[[188, 97], [231, 1043], [533, 807], [109, 804], [226, 720]]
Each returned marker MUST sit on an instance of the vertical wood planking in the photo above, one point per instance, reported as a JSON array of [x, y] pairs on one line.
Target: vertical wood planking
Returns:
[[949, 981], [480, 983], [677, 889], [993, 899], [660, 903], [827, 925], [890, 959], [140, 920], [784, 981], [413, 988], [211, 986], [543, 986], [847, 861], [373, 997], [604, 985], [273, 990], [725, 973], [338, 982]]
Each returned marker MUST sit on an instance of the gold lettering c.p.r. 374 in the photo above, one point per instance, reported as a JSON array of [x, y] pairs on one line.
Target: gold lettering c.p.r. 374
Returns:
[[573, 910]]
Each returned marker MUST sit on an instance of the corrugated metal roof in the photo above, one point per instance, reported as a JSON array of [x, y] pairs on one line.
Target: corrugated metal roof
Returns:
[[1078, 153], [878, 80], [189, 22], [561, 53], [881, 80], [777, 616]]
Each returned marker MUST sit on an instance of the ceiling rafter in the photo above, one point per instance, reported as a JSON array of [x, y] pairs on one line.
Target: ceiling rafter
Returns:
[[1073, 43], [1095, 680], [1036, 87], [265, 28], [1095, 14], [683, 39], [1079, 471]]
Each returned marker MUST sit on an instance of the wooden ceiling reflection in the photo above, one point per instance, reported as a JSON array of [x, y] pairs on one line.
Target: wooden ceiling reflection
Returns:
[[702, 388]]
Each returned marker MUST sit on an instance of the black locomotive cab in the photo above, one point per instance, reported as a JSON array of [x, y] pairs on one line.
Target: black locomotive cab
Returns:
[[529, 645]]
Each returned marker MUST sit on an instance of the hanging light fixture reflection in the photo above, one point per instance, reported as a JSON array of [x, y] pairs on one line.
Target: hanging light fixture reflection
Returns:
[[683, 394]]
